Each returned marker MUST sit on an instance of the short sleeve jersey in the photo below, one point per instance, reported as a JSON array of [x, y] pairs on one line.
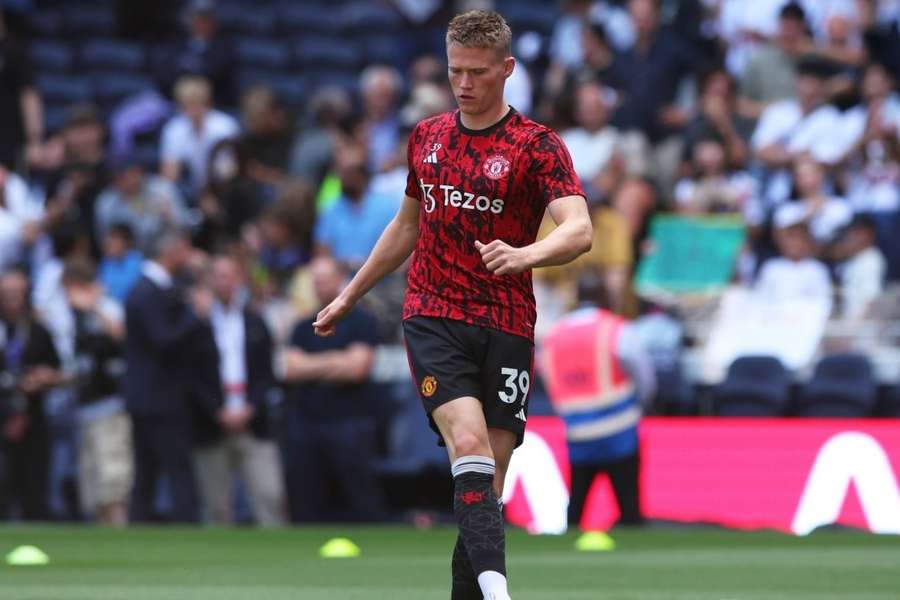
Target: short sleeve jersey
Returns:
[[484, 185]]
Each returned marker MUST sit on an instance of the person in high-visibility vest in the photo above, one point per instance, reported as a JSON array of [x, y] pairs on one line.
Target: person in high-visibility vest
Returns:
[[598, 375]]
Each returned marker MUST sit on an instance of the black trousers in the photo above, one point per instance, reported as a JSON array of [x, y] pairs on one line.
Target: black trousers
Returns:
[[624, 475], [24, 475], [332, 460], [162, 447]]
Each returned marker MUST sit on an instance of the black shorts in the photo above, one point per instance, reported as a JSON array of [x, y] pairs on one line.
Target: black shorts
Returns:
[[451, 359]]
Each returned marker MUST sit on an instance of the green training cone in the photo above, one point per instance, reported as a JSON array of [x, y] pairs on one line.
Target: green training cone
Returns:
[[339, 548], [595, 541], [27, 556]]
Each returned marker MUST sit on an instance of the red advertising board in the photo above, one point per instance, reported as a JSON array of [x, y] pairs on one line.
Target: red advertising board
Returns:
[[792, 475]]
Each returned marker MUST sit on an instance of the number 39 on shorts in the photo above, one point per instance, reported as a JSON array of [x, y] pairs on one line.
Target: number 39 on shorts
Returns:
[[516, 382]]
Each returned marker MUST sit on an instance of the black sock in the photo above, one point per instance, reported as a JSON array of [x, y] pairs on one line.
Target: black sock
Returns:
[[465, 585], [478, 514]]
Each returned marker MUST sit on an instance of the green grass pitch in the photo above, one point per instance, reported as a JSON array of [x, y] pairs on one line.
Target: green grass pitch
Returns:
[[402, 563]]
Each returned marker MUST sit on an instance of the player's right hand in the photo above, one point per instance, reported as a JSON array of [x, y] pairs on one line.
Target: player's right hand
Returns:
[[326, 320]]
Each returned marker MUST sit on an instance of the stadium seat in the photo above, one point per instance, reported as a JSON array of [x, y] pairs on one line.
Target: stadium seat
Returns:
[[247, 78], [87, 20], [755, 386], [292, 90], [261, 52], [348, 80], [298, 18], [110, 89], [51, 56], [360, 17], [245, 18], [386, 50], [47, 22], [842, 386], [64, 89], [107, 54], [327, 53], [890, 406]]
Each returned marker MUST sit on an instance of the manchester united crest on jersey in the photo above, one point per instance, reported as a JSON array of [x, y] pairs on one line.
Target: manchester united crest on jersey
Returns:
[[496, 167]]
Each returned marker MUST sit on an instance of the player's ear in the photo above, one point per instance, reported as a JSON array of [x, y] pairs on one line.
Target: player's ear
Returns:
[[509, 63]]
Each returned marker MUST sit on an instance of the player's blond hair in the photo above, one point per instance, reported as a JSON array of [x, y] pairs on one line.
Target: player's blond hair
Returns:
[[481, 29]]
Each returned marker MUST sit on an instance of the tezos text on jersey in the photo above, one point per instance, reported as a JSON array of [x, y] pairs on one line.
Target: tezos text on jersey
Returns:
[[458, 199]]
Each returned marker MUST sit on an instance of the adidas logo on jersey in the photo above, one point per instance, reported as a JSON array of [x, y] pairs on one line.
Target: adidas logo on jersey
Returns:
[[521, 415], [431, 158]]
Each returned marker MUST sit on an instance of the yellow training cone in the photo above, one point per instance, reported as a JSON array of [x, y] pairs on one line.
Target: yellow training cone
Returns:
[[594, 541], [339, 548], [27, 556]]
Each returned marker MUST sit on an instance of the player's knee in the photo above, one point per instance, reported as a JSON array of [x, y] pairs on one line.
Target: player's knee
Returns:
[[466, 443]]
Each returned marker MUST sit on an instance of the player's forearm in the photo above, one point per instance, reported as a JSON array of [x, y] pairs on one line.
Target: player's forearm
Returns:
[[568, 241], [394, 246]]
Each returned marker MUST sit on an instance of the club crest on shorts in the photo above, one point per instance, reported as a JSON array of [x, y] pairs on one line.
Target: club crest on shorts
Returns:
[[496, 166], [429, 386]]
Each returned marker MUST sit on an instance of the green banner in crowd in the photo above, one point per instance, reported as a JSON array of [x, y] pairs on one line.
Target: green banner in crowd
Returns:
[[690, 254]]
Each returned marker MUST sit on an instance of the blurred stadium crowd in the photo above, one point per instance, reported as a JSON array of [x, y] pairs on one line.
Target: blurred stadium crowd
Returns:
[[274, 133]]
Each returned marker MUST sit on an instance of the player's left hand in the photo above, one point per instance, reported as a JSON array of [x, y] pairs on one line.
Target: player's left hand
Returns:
[[502, 259]]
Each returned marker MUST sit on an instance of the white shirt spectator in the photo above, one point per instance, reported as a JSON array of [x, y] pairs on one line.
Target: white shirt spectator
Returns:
[[157, 205], [637, 362], [617, 23], [875, 186], [873, 183], [182, 143], [228, 328], [784, 280], [853, 123], [862, 279], [824, 223], [590, 151], [18, 209], [518, 89], [818, 12], [156, 273], [784, 123], [565, 41], [738, 19], [734, 192], [817, 133]]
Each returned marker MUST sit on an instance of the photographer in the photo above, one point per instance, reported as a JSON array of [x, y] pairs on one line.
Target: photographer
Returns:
[[29, 366]]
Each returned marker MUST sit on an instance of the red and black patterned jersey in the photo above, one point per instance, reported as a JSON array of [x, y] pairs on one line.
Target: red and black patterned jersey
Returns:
[[483, 185]]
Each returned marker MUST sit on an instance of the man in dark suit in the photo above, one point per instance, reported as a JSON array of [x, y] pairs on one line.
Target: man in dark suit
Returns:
[[235, 438], [162, 329]]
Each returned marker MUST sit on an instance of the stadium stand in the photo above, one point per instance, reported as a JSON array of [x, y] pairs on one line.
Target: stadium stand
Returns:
[[842, 386], [755, 386], [700, 160]]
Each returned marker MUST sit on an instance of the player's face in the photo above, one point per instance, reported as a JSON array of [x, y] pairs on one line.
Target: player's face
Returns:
[[477, 76]]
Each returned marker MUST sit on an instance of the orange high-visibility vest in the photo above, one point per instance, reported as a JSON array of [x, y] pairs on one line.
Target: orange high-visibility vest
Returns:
[[584, 377]]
